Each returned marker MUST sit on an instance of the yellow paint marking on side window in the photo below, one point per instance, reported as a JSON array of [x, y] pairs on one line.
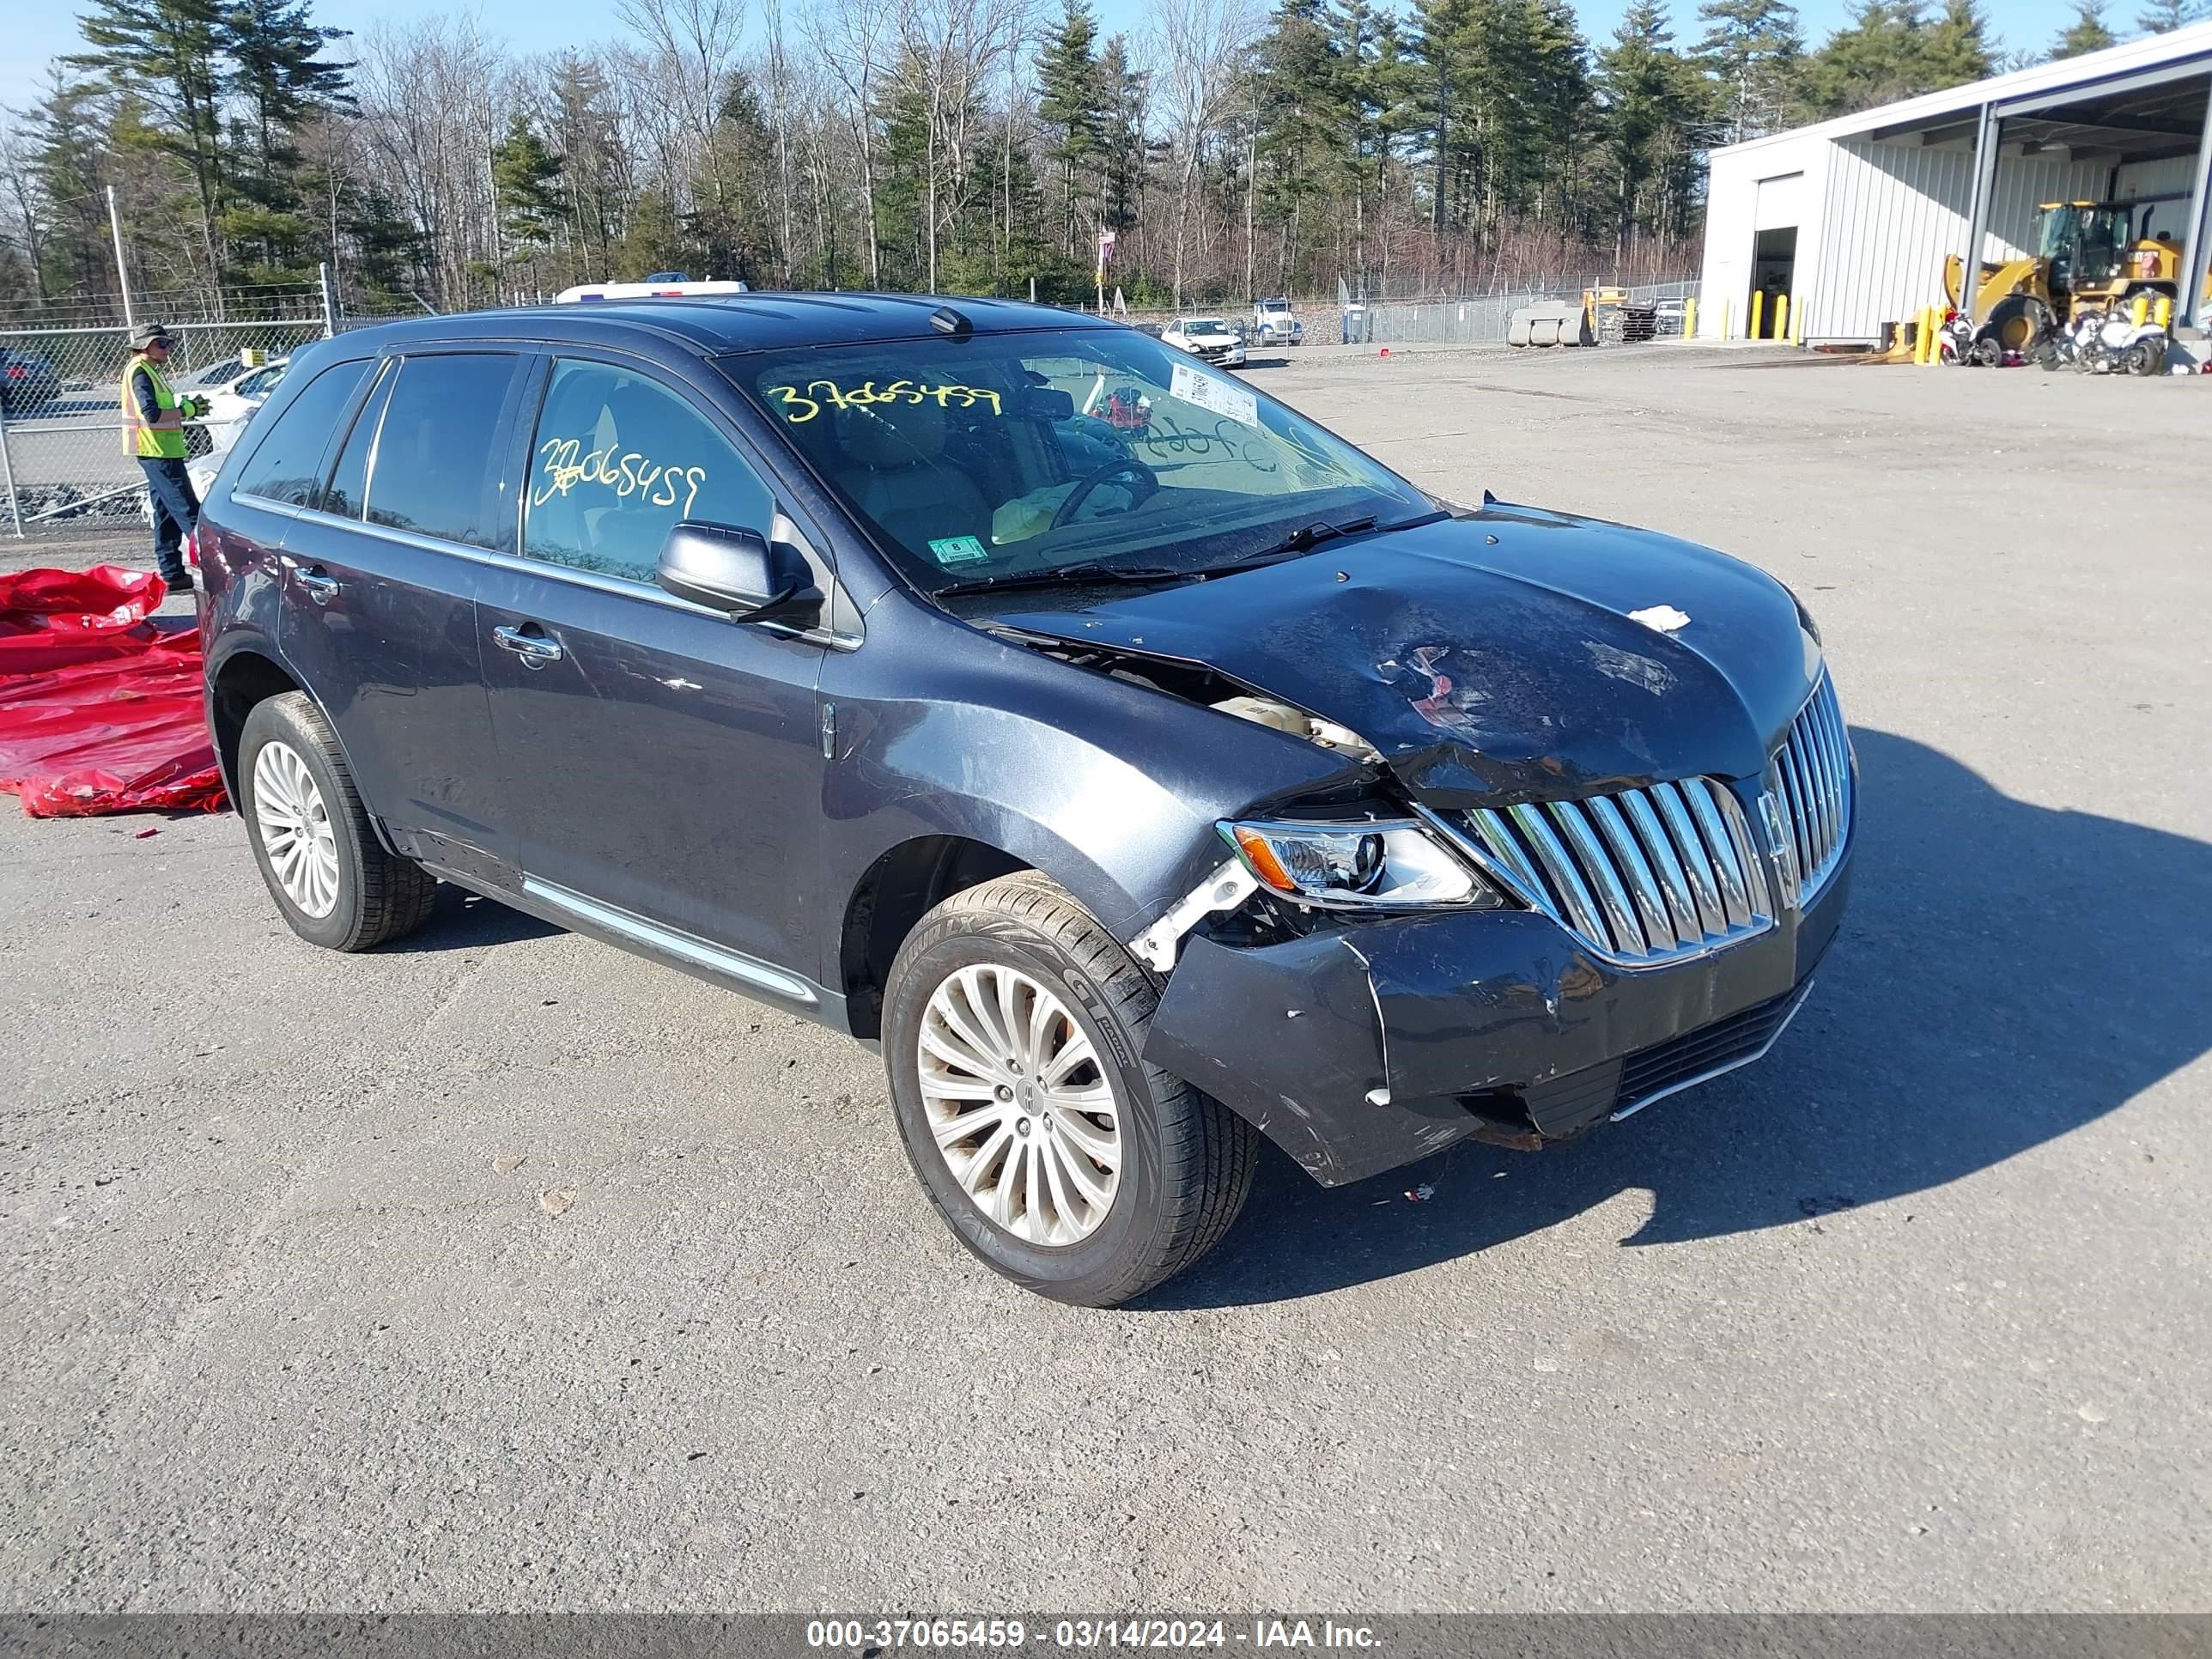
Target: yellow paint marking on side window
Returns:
[[566, 464]]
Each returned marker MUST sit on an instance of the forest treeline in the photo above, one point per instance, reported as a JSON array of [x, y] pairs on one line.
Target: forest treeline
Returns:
[[975, 146]]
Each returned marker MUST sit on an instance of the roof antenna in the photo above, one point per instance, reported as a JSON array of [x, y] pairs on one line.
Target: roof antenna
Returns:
[[945, 320]]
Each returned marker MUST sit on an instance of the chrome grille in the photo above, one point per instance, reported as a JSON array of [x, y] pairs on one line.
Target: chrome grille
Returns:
[[1641, 876], [1807, 798]]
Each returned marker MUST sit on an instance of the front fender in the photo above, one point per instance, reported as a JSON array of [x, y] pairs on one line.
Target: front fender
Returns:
[[1110, 788]]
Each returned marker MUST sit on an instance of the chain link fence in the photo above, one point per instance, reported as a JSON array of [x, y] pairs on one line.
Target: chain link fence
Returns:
[[1482, 319], [65, 459], [1466, 320]]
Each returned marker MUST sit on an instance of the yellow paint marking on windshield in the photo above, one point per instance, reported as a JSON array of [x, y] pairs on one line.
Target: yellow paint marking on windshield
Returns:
[[866, 396], [566, 465]]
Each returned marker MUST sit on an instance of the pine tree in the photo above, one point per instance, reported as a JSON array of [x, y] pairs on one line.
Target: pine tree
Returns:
[[1955, 49], [2164, 16], [1122, 89], [2085, 34], [277, 67], [67, 128], [527, 178], [164, 53], [1071, 102], [1753, 51], [1890, 49], [1656, 115]]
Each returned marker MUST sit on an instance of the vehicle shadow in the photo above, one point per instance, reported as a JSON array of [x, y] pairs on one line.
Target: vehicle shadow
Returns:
[[2006, 972], [462, 920]]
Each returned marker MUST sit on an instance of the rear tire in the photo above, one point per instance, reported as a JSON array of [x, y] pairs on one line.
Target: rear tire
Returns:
[[1174, 1166], [337, 883]]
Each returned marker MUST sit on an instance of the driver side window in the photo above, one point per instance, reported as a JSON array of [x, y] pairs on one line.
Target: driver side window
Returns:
[[616, 460]]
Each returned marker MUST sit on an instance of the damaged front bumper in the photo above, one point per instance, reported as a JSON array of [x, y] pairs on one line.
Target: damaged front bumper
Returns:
[[1359, 1046]]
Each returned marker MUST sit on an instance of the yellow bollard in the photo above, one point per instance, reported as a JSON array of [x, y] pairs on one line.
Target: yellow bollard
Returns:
[[2164, 311], [1689, 319], [1757, 304], [1920, 338], [1781, 316]]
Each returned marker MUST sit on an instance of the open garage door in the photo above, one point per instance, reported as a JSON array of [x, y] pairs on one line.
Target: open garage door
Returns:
[[1774, 250]]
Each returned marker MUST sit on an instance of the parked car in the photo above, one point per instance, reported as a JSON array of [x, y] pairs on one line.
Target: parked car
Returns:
[[209, 376], [1207, 337], [28, 384], [1142, 788], [232, 403], [1276, 323]]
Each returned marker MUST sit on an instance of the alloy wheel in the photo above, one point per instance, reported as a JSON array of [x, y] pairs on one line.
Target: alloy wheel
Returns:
[[1018, 1105], [295, 830]]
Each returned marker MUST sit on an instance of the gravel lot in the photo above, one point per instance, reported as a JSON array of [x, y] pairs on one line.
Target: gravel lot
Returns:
[[1914, 1315]]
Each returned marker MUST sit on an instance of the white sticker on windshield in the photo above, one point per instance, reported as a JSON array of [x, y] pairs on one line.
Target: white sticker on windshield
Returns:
[[1195, 386]]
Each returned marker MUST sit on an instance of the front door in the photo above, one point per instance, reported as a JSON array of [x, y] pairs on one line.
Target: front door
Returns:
[[661, 764]]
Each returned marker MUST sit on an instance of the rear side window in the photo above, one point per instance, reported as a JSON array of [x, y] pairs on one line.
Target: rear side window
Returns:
[[287, 466], [616, 460], [434, 466]]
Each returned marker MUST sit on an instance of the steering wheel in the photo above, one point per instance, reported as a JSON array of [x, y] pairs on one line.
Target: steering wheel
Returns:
[[1129, 464]]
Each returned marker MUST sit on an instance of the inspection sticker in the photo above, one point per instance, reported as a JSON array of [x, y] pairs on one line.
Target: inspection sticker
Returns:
[[1195, 386], [958, 550]]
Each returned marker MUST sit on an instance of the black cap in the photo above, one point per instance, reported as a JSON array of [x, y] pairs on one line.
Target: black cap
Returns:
[[146, 333]]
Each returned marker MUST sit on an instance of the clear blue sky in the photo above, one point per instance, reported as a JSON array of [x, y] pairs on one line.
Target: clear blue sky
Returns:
[[38, 31]]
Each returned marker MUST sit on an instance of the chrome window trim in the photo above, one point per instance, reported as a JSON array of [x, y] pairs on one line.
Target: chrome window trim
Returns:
[[569, 573]]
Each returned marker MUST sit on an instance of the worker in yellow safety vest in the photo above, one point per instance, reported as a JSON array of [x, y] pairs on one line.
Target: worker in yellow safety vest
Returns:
[[153, 419]]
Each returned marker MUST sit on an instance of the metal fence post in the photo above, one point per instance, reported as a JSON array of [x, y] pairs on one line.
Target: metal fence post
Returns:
[[122, 275], [329, 310], [8, 477]]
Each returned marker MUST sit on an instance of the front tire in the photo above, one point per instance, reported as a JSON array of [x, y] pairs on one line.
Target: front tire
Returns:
[[1013, 1035], [336, 883]]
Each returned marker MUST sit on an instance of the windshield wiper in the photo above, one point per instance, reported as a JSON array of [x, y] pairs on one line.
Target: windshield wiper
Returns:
[[1060, 576], [1306, 536], [1298, 541]]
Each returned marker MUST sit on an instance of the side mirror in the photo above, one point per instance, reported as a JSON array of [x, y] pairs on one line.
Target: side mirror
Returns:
[[740, 572]]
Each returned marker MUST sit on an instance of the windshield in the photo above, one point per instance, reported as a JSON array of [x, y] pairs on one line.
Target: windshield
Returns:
[[1009, 455], [1204, 325]]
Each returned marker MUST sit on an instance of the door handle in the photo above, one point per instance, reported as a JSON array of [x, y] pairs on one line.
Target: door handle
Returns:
[[322, 586], [536, 650]]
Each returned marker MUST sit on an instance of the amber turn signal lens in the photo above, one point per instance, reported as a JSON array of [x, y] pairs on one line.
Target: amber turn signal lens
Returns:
[[1262, 858]]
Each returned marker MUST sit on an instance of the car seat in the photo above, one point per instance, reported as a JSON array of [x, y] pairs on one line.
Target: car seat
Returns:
[[895, 468]]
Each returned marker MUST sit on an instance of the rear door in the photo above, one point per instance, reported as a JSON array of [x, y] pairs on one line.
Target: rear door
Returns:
[[380, 615], [663, 764]]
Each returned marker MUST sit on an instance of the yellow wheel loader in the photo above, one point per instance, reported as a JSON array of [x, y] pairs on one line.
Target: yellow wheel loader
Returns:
[[2088, 257]]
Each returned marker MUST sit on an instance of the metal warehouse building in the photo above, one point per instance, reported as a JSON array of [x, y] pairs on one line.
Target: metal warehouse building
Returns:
[[1852, 218]]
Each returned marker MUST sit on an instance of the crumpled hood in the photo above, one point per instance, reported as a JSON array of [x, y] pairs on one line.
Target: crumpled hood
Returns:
[[1490, 659]]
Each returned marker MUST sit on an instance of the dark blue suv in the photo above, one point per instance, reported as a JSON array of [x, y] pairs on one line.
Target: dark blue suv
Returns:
[[1145, 769]]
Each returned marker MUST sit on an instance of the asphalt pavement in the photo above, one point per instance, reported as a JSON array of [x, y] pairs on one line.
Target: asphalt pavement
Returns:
[[501, 1269]]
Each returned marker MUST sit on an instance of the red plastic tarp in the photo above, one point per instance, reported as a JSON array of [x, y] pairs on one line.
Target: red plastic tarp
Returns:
[[99, 703]]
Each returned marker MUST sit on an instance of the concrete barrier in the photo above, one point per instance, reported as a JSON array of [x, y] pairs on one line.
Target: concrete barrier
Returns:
[[1548, 323]]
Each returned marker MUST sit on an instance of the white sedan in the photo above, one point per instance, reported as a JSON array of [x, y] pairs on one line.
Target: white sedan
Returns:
[[1207, 337], [232, 404]]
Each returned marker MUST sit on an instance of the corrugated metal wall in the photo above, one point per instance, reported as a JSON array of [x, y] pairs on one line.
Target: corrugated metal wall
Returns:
[[2172, 175], [1891, 213]]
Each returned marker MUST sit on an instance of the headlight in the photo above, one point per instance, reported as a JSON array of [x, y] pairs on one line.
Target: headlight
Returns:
[[1386, 864]]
